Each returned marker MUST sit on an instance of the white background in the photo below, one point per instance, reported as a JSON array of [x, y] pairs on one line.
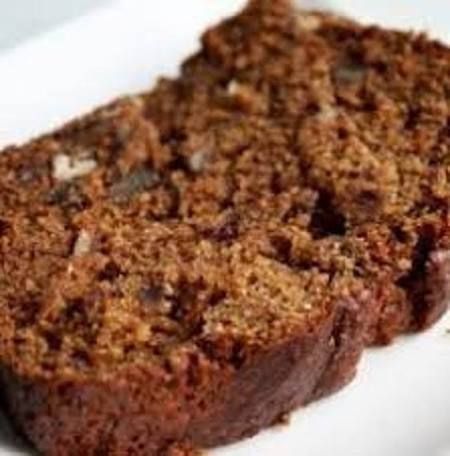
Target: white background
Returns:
[[400, 403], [22, 19]]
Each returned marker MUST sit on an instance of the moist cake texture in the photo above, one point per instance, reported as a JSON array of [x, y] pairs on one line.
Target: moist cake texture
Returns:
[[186, 266]]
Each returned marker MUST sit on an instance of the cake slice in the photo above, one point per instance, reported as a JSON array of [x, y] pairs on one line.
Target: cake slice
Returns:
[[186, 266]]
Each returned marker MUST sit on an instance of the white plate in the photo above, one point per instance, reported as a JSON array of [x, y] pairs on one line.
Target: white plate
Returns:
[[400, 403], [23, 19]]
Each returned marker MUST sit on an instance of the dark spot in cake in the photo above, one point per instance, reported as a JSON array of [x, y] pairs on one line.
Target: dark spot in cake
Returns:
[[237, 358], [173, 137], [415, 281], [68, 195], [380, 66], [312, 109], [110, 272], [400, 234], [360, 268], [303, 264], [180, 302], [185, 305], [52, 340], [175, 202], [217, 297], [59, 194], [368, 199], [294, 211], [81, 358], [193, 377], [64, 390], [277, 183], [370, 105], [136, 182], [27, 312], [412, 118], [75, 309], [4, 227], [29, 174], [26, 175], [422, 250], [283, 248], [326, 219], [343, 133], [150, 295], [178, 163], [128, 349], [349, 71]]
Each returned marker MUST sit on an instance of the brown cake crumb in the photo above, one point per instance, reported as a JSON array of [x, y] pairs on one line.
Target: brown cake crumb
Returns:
[[193, 263]]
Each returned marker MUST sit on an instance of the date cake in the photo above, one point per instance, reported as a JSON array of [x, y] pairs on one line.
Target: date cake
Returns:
[[184, 267]]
